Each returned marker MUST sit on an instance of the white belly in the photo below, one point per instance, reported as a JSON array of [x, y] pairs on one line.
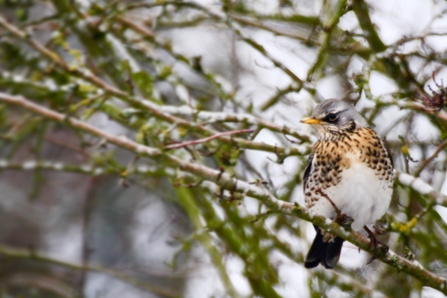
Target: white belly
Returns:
[[359, 194]]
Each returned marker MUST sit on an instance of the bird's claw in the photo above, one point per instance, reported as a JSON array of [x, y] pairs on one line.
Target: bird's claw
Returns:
[[345, 221], [376, 244]]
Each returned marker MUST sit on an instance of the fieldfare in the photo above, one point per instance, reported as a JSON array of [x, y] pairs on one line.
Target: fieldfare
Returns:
[[349, 174]]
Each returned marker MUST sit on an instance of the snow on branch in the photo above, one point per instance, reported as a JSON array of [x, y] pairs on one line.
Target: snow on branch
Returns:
[[227, 181]]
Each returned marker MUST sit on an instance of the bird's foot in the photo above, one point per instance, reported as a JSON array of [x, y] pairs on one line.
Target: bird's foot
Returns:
[[376, 244], [345, 221]]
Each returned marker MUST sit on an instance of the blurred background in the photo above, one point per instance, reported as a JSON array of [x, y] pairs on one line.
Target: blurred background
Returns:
[[81, 217]]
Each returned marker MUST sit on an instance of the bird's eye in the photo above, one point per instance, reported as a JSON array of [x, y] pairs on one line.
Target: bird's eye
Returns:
[[331, 117]]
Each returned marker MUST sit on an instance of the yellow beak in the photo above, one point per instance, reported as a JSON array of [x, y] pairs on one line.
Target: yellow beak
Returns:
[[310, 120]]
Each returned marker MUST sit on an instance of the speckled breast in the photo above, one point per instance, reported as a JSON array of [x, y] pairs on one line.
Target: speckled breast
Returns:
[[332, 155]]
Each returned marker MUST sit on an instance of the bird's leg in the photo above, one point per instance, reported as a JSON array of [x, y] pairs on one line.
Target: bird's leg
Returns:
[[342, 219], [375, 243], [318, 190]]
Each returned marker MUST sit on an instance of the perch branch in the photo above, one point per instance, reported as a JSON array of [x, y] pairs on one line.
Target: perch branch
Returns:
[[227, 181]]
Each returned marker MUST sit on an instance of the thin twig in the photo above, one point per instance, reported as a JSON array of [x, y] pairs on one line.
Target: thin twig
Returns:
[[204, 140], [440, 147]]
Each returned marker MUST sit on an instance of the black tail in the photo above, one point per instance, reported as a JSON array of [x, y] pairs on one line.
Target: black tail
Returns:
[[326, 253]]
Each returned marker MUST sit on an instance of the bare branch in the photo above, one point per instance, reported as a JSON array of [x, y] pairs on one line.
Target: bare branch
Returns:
[[226, 181], [16, 253], [204, 140]]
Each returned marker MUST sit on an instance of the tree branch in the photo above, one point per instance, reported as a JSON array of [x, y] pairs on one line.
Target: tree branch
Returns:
[[142, 103], [228, 182], [422, 187], [17, 253]]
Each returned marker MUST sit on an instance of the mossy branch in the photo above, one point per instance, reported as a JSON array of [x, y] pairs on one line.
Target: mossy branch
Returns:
[[231, 183]]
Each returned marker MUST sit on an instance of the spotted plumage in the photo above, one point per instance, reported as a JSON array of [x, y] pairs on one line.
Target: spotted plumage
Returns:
[[350, 171]]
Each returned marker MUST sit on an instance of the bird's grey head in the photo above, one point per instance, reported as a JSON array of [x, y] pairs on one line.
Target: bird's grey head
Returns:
[[334, 116]]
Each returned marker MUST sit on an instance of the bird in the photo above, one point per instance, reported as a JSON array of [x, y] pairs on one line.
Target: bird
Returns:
[[349, 173]]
